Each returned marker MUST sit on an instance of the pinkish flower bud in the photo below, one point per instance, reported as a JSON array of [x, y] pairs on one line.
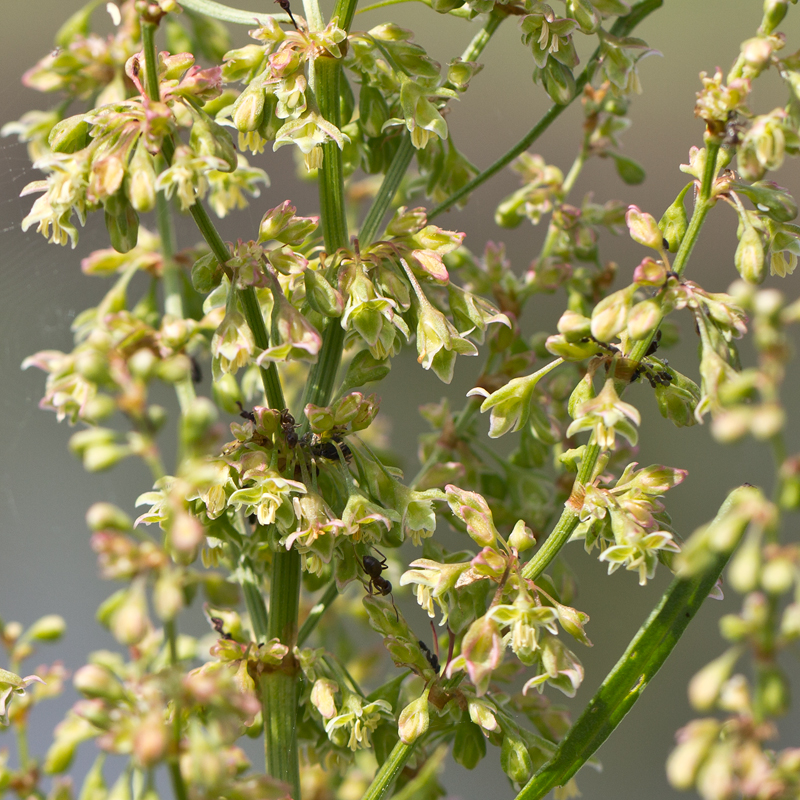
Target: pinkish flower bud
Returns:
[[323, 697], [414, 719], [186, 534], [706, 685], [694, 743], [150, 740], [129, 621], [106, 516], [168, 598], [643, 319], [474, 511], [610, 315], [94, 680], [574, 326], [643, 228]]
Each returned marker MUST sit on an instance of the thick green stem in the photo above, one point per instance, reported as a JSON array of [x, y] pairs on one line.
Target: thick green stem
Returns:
[[622, 27], [331, 178], [279, 688], [254, 602], [389, 770], [315, 615], [635, 669]]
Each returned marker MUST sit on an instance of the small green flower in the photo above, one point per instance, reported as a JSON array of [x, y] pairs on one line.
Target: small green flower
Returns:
[[606, 415], [356, 721]]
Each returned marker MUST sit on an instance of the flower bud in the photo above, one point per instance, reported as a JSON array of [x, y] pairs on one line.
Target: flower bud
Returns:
[[106, 516], [323, 697], [774, 12], [95, 681], [483, 715], [186, 534], [129, 622], [778, 575], [168, 599], [705, 686], [248, 110], [69, 135], [49, 628], [150, 741], [227, 394], [643, 319], [745, 566], [141, 180], [574, 326], [585, 15], [414, 719], [750, 259], [674, 223], [610, 315], [121, 790], [210, 139], [572, 621], [772, 693], [694, 743], [321, 296], [515, 760], [122, 224], [643, 228], [206, 273], [558, 81], [521, 537]]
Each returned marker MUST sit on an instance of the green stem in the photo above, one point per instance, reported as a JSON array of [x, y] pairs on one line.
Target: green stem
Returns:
[[389, 770], [178, 785], [252, 310], [279, 688], [315, 615], [702, 207], [254, 601], [210, 8], [405, 151], [389, 186], [568, 521], [644, 656], [622, 27], [173, 294], [331, 177]]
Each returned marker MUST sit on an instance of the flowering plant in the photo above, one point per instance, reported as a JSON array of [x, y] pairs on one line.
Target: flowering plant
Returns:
[[295, 516]]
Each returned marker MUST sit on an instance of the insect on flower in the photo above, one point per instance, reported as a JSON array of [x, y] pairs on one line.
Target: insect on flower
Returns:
[[373, 568]]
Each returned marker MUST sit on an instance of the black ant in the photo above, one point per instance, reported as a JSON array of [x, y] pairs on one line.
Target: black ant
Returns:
[[245, 414], [288, 426], [219, 627], [196, 372], [431, 658], [284, 4], [373, 567], [329, 450]]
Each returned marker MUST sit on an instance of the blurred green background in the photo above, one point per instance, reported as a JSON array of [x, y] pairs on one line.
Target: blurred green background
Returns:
[[46, 564]]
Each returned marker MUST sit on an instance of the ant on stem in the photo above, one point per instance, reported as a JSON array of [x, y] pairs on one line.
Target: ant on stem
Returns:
[[373, 568]]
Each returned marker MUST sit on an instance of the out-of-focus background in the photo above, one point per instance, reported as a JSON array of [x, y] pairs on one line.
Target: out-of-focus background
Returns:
[[45, 561]]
